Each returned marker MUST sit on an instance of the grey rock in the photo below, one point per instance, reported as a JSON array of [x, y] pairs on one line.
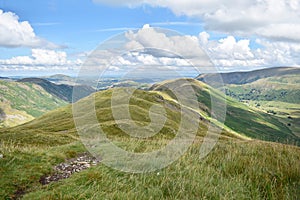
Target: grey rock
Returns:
[[71, 166]]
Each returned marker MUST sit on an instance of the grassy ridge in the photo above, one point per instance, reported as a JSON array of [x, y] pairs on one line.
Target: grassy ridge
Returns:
[[240, 78], [233, 170], [236, 168]]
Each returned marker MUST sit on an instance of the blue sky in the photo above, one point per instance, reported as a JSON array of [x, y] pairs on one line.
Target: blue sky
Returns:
[[82, 25], [67, 30]]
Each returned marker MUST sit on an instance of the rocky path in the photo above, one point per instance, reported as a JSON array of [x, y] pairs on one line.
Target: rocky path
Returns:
[[71, 166]]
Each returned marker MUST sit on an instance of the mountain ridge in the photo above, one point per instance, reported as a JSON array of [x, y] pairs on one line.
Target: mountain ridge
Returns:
[[61, 91], [247, 76]]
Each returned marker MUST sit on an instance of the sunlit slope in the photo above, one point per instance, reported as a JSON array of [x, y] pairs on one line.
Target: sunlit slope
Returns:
[[278, 96], [21, 102], [57, 127], [284, 88], [239, 117]]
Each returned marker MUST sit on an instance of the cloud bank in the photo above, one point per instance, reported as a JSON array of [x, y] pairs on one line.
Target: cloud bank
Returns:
[[40, 59], [227, 53], [272, 19]]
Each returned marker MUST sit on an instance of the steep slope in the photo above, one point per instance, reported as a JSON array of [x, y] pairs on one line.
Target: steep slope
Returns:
[[240, 118], [249, 167], [277, 96], [274, 91], [248, 77], [62, 91], [21, 102]]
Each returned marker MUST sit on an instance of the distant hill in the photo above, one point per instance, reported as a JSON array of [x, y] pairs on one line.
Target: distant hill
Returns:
[[275, 91], [248, 77], [62, 91], [61, 79], [22, 102], [5, 78], [283, 88]]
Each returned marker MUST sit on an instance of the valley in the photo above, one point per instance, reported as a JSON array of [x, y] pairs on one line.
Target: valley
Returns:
[[274, 91]]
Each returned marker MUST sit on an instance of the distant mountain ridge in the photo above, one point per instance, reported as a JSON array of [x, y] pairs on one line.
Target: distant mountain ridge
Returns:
[[61, 91], [249, 76], [61, 79]]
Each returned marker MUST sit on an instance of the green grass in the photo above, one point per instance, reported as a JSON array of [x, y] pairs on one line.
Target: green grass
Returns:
[[233, 170], [287, 113], [12, 117], [237, 168], [240, 118], [27, 100], [277, 97], [283, 88]]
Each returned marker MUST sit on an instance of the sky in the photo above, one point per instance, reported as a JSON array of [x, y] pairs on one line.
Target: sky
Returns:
[[58, 36]]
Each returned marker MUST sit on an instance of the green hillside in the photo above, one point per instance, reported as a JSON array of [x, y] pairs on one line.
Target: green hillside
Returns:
[[277, 96], [21, 102], [283, 88], [241, 118], [274, 91], [237, 168]]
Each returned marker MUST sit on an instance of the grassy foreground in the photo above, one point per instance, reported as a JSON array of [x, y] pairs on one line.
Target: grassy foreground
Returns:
[[233, 170]]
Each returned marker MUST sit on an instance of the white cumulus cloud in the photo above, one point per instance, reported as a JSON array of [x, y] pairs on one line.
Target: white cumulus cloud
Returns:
[[232, 54], [276, 19], [14, 33], [168, 44], [180, 52]]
